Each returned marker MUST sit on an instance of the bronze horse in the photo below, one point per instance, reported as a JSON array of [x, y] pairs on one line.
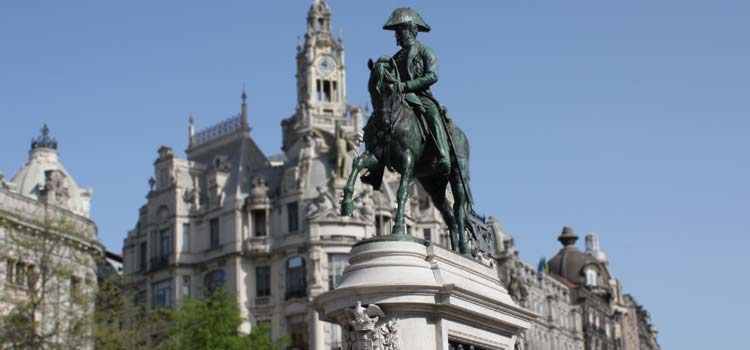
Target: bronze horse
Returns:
[[395, 138]]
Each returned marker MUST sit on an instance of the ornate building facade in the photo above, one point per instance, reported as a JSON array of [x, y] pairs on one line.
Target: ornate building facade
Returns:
[[580, 305], [48, 247], [267, 227]]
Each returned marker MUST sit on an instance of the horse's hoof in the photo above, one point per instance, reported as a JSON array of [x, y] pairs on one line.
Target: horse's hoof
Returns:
[[398, 230], [464, 249], [347, 208]]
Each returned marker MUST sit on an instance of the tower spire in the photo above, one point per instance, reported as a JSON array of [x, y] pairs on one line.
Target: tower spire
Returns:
[[191, 131], [244, 108]]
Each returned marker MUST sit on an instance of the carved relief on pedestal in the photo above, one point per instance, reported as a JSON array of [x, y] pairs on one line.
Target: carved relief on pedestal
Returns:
[[361, 331]]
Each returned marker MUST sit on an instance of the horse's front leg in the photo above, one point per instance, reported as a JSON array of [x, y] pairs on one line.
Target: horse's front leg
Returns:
[[364, 160], [402, 194]]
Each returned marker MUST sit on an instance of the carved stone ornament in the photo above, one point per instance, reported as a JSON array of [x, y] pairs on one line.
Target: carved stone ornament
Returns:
[[364, 205], [322, 206], [517, 289], [362, 331], [221, 163], [520, 341], [260, 188], [54, 188]]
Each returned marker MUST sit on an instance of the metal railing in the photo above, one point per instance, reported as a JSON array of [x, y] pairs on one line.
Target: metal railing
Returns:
[[220, 129]]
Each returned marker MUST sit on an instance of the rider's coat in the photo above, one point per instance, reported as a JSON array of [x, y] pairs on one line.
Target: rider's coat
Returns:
[[418, 70]]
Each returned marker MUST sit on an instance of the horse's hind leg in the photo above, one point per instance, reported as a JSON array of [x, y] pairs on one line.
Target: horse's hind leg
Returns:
[[435, 187], [459, 211], [364, 160], [402, 194]]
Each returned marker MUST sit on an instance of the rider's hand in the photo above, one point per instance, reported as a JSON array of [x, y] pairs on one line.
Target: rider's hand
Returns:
[[397, 87]]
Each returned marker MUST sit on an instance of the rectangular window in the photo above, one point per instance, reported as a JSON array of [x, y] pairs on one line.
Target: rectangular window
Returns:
[[298, 336], [75, 284], [9, 271], [326, 91], [335, 91], [263, 281], [31, 277], [296, 278], [427, 234], [186, 237], [318, 89], [165, 245], [336, 265], [259, 223], [292, 216], [20, 273], [142, 256], [162, 294], [214, 223], [186, 286]]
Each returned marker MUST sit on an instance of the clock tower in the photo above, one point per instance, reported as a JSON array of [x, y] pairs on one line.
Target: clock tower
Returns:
[[321, 81]]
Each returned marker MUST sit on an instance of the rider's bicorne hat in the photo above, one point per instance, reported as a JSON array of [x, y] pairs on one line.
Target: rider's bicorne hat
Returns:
[[405, 15]]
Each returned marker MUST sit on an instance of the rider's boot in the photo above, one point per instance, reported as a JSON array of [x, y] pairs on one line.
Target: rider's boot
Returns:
[[443, 165]]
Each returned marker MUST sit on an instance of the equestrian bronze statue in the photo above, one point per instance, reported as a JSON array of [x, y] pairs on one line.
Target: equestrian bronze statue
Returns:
[[410, 132]]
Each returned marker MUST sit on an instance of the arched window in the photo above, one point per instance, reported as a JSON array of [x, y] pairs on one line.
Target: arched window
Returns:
[[296, 285], [214, 280]]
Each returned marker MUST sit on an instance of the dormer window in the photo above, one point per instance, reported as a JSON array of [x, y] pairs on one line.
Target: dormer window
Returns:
[[591, 277]]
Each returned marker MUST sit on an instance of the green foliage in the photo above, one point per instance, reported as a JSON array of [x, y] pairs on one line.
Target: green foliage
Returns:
[[260, 339], [214, 323], [45, 313], [120, 324]]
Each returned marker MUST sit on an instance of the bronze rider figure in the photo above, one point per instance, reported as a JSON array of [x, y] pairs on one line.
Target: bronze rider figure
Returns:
[[417, 66]]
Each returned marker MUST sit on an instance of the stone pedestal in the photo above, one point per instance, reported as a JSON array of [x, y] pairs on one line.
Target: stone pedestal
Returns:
[[412, 295]]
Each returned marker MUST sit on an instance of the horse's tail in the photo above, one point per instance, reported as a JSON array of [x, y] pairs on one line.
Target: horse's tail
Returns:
[[460, 149], [483, 232]]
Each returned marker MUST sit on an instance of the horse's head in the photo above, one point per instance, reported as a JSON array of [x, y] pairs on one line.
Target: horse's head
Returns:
[[383, 73]]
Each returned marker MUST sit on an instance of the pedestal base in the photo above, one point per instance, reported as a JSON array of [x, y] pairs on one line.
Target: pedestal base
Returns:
[[428, 298]]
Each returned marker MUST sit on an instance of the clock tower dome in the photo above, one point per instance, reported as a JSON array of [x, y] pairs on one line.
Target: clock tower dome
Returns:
[[321, 81]]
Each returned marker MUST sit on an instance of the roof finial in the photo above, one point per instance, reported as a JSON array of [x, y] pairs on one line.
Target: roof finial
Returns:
[[244, 108], [44, 141], [191, 131], [567, 237]]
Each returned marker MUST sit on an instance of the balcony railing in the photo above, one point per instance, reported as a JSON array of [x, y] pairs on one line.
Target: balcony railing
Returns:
[[256, 245], [262, 301]]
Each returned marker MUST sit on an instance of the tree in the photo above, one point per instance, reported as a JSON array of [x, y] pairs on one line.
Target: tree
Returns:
[[119, 322], [49, 284], [214, 323]]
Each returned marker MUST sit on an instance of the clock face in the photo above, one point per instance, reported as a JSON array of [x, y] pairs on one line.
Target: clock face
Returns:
[[326, 65]]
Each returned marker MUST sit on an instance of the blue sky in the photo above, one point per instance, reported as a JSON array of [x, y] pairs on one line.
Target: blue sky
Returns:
[[629, 119]]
